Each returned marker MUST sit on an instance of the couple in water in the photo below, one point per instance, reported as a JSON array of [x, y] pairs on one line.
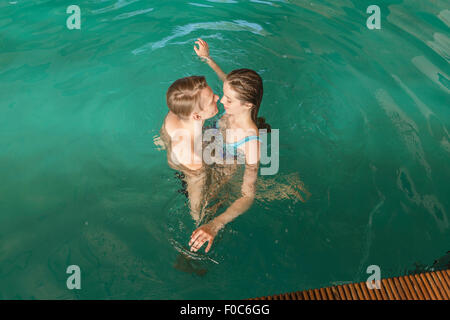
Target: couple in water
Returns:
[[233, 140]]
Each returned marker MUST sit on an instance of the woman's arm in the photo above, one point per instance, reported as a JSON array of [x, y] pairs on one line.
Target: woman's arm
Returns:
[[208, 231], [203, 52], [242, 204]]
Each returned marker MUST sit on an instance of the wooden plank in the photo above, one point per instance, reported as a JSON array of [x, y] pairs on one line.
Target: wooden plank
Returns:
[[342, 293], [317, 294], [329, 293], [347, 292], [424, 286], [446, 274], [383, 291], [399, 288], [411, 288], [305, 295], [443, 282], [405, 288], [417, 288], [427, 286], [366, 292], [387, 289], [433, 286], [359, 292], [378, 292], [393, 289], [439, 285], [323, 294], [353, 291]]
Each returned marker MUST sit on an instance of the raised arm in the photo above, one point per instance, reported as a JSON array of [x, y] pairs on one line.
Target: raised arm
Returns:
[[203, 52]]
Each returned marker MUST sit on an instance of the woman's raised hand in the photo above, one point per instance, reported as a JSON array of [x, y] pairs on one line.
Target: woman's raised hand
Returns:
[[203, 49], [203, 52]]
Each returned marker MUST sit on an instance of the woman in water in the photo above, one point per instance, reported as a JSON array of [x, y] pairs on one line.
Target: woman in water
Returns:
[[243, 92]]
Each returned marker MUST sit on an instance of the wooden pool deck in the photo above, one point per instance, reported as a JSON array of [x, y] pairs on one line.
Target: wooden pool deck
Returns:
[[423, 286]]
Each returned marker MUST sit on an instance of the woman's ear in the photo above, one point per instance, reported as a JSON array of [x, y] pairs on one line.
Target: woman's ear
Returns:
[[248, 105]]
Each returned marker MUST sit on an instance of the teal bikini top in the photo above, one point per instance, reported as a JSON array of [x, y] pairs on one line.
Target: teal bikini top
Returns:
[[231, 149]]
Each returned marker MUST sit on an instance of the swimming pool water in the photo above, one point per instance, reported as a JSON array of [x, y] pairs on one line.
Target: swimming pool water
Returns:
[[363, 118]]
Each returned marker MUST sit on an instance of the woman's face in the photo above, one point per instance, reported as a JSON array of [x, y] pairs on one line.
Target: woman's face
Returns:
[[231, 104]]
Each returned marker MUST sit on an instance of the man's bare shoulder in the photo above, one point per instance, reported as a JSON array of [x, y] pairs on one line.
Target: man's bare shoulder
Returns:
[[172, 124], [177, 133], [182, 147]]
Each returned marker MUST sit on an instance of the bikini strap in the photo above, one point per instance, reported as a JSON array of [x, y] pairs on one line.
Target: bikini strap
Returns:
[[242, 141]]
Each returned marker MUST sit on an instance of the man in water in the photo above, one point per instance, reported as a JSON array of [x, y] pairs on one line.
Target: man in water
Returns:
[[191, 101]]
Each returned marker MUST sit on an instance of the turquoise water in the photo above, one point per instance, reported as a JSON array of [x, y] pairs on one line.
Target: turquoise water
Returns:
[[363, 118]]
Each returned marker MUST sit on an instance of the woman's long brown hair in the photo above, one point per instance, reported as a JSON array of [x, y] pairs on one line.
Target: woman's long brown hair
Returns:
[[249, 87]]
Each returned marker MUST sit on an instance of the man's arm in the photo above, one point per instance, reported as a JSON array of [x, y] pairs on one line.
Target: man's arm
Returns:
[[195, 188], [203, 52], [184, 154]]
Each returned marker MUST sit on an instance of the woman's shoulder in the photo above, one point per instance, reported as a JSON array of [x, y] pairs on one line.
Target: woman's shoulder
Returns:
[[251, 130]]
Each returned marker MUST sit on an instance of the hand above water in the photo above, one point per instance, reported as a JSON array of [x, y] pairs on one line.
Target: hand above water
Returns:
[[203, 52], [206, 232], [203, 49]]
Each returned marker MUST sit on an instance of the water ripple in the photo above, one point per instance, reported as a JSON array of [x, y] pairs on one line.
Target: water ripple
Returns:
[[432, 72], [406, 128], [132, 14], [119, 4], [236, 25], [440, 132], [429, 202]]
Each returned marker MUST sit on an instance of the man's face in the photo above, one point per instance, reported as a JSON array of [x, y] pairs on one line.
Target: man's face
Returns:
[[208, 102]]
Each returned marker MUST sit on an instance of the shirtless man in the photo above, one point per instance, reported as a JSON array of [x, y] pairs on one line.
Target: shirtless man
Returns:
[[191, 101]]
